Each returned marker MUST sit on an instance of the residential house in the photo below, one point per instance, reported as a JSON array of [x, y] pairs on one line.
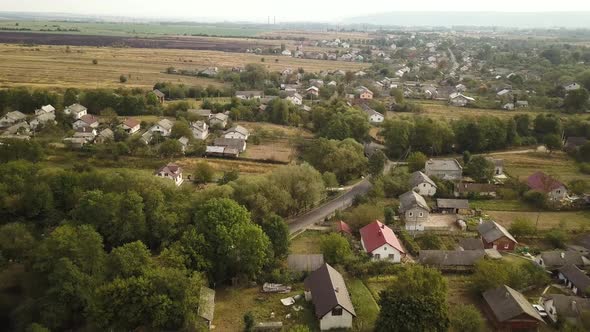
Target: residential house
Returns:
[[20, 130], [461, 88], [295, 98], [415, 210], [313, 91], [160, 95], [374, 116], [222, 151], [575, 279], [566, 308], [200, 130], [446, 169], [326, 289], [468, 189], [509, 310], [286, 53], [556, 259], [508, 107], [555, 190], [172, 172], [470, 244], [234, 143], [105, 135], [87, 120], [210, 72], [12, 118], [451, 260], [380, 242], [574, 142], [495, 236], [164, 127], [422, 184], [237, 132], [75, 142], [522, 104], [571, 87], [42, 119], [184, 143], [219, 120], [201, 113], [364, 93], [305, 263], [343, 228], [498, 165], [131, 126], [452, 206], [504, 94], [76, 110], [45, 109], [460, 100], [247, 95], [206, 305]]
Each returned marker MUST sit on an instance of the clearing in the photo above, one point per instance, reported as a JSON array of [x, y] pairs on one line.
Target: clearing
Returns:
[[306, 243], [574, 221], [364, 304], [557, 164]]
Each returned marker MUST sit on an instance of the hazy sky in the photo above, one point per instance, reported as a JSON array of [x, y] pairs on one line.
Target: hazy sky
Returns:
[[297, 10]]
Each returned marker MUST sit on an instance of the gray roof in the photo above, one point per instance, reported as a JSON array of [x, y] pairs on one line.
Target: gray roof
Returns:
[[220, 117], [206, 303], [328, 290], [506, 303], [492, 231], [76, 108], [496, 162], [450, 258], [307, 263], [201, 112], [166, 124], [558, 258], [15, 116], [444, 165], [470, 244], [107, 133], [569, 306], [238, 129], [445, 203], [576, 276], [410, 200], [418, 177], [234, 143], [249, 93], [159, 93]]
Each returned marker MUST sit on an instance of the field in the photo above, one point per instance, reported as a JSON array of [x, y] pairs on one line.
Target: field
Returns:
[[574, 221], [306, 243], [557, 164], [364, 304], [53, 66]]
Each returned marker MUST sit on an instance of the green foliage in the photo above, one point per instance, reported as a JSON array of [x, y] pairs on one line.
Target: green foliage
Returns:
[[556, 238], [416, 161], [480, 169], [15, 149], [553, 142], [203, 173], [131, 259], [344, 158], [578, 187], [415, 302], [277, 231], [536, 198], [409, 242], [466, 318], [170, 148], [377, 163], [330, 180], [299, 328], [248, 321], [16, 242], [335, 248], [123, 79], [181, 129], [522, 227], [229, 176], [491, 274], [336, 120], [576, 100]]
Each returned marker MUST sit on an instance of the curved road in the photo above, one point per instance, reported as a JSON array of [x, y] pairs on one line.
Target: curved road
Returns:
[[327, 209]]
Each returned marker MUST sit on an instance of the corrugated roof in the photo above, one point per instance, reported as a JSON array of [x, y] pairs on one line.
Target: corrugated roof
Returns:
[[492, 231], [412, 199], [328, 290], [376, 234], [506, 303]]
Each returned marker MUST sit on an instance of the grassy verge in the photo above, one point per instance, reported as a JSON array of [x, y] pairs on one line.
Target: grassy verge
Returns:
[[306, 243], [574, 221], [365, 306], [499, 205]]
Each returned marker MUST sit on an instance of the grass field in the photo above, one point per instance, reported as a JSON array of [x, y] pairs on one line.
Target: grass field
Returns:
[[574, 221], [133, 29], [306, 243], [557, 164], [499, 205], [364, 304], [52, 66]]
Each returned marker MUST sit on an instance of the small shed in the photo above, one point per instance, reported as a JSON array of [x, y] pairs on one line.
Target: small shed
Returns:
[[207, 305], [452, 205]]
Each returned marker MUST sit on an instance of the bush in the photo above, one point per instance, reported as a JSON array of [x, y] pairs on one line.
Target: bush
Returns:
[[522, 227], [122, 78], [409, 243], [248, 321], [335, 248], [466, 318], [585, 168], [94, 62], [557, 238], [508, 194], [536, 198]]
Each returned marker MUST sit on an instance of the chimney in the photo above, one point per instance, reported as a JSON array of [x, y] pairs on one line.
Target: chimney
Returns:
[[382, 226]]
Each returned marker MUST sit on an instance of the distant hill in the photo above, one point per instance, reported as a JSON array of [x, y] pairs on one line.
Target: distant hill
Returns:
[[457, 18]]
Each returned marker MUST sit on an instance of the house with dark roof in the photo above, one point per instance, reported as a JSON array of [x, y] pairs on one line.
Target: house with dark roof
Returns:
[[86, 120], [422, 184], [172, 172], [451, 260], [566, 308], [446, 169], [446, 205], [381, 243], [495, 236], [326, 289], [470, 244], [574, 142], [206, 305], [237, 132], [415, 210], [160, 95], [575, 279], [510, 310], [556, 259], [542, 182]]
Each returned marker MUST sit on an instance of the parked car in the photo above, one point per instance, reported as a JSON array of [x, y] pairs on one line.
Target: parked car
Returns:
[[540, 310]]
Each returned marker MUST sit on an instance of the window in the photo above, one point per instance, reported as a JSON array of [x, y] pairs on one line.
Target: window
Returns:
[[337, 312], [506, 245], [421, 214], [559, 191], [411, 214], [391, 256], [384, 248], [377, 256]]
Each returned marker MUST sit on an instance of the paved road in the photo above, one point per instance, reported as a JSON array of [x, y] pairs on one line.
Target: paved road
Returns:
[[339, 203]]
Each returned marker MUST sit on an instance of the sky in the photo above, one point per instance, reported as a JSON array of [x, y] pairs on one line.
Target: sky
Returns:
[[285, 11]]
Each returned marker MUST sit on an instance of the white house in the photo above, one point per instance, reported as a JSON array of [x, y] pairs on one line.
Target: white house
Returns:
[[381, 243], [247, 95], [76, 110], [237, 132], [571, 87], [12, 118], [41, 119], [219, 120], [446, 169], [172, 172], [45, 109], [422, 184], [86, 120], [200, 130], [460, 100], [373, 116], [131, 126], [313, 90], [326, 289], [295, 98], [555, 190], [164, 127]]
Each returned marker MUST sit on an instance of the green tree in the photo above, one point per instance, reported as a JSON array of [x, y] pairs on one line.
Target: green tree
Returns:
[[522, 227], [248, 321], [415, 302], [131, 259], [181, 129], [553, 142], [536, 198], [203, 173], [377, 163], [277, 231], [16, 242], [416, 161], [330, 180], [122, 78], [557, 238], [335, 248], [480, 169], [170, 148], [576, 100], [466, 318]]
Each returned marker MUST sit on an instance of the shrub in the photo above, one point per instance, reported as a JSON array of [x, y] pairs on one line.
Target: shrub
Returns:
[[409, 243], [557, 238], [94, 62], [522, 227], [536, 198], [122, 78], [466, 318]]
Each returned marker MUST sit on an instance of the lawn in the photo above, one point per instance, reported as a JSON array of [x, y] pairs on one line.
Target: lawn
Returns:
[[574, 221], [557, 164], [379, 283], [307, 242], [499, 205], [233, 302], [280, 150], [52, 66], [365, 306]]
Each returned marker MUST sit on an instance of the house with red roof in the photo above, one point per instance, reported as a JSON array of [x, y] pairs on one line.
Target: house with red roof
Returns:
[[131, 126], [555, 190], [343, 228], [380, 241], [172, 172]]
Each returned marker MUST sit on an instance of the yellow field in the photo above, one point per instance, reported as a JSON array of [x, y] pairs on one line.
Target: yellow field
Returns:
[[52, 66]]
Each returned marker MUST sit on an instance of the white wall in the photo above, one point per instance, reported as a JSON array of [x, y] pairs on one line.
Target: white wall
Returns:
[[413, 219], [235, 135], [558, 194], [384, 251], [425, 189], [333, 322]]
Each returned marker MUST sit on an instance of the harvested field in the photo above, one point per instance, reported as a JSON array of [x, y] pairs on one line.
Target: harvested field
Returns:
[[280, 150], [574, 221], [58, 66], [556, 164], [221, 165]]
